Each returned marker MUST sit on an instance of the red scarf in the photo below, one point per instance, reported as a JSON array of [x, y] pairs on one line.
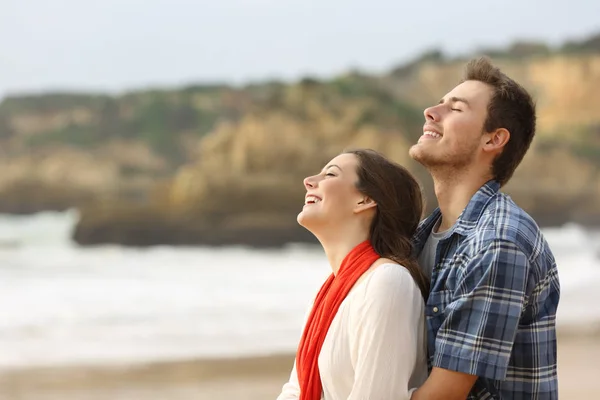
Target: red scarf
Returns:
[[328, 301]]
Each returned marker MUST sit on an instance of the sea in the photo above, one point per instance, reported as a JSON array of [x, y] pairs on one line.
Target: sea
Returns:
[[64, 305]]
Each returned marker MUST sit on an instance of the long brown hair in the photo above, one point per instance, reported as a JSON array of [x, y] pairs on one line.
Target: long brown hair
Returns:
[[399, 209]]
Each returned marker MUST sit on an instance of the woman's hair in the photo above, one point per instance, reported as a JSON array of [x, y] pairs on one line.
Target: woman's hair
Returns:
[[398, 212]]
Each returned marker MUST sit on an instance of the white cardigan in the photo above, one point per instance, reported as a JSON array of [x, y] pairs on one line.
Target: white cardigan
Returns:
[[376, 347]]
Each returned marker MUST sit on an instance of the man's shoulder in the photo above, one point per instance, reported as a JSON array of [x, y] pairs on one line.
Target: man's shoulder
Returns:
[[502, 220]]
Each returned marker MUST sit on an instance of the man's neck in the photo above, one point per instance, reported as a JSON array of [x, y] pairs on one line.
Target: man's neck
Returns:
[[453, 192]]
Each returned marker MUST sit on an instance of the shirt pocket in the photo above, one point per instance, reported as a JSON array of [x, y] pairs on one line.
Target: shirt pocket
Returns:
[[437, 303]]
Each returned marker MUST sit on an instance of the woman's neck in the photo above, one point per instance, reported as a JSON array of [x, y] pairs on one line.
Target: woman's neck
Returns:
[[338, 246]]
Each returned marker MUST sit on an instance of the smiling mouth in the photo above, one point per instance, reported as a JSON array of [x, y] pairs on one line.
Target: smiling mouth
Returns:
[[432, 134], [311, 200]]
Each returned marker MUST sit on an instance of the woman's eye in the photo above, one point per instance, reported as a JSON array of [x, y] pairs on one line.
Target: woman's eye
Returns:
[[329, 174], [456, 109]]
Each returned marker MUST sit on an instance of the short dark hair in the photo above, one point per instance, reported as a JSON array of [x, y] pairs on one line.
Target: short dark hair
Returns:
[[510, 107], [399, 209]]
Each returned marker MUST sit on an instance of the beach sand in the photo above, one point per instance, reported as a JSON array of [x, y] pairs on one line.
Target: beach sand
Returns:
[[241, 379]]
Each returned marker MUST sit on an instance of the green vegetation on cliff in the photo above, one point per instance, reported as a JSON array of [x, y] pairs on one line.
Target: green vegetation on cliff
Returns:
[[160, 117], [208, 163]]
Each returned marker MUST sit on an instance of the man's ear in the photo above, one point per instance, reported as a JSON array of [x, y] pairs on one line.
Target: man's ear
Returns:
[[496, 140], [364, 204]]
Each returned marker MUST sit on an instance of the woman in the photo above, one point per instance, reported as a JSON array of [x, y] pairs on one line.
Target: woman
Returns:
[[365, 336]]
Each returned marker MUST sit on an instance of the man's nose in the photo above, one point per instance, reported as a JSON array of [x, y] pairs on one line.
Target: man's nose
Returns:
[[432, 114]]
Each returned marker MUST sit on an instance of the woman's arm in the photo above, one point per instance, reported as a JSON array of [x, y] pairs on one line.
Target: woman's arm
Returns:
[[291, 389], [389, 339]]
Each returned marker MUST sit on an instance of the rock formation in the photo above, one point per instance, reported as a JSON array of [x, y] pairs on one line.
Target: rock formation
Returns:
[[219, 165]]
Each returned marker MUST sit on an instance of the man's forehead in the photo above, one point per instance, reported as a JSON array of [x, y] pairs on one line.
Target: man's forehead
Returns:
[[471, 90]]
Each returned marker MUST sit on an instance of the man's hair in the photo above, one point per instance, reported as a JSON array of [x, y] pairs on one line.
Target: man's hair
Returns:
[[510, 107]]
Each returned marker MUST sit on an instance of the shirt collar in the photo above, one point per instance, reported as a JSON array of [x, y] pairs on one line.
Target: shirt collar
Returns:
[[466, 221]]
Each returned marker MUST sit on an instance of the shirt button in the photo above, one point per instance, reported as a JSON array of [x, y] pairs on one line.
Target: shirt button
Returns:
[[435, 309]]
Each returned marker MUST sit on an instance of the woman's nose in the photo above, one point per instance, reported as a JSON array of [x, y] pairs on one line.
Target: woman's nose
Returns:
[[309, 182]]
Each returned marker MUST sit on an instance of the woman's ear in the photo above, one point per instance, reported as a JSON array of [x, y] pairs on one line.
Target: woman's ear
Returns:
[[364, 204]]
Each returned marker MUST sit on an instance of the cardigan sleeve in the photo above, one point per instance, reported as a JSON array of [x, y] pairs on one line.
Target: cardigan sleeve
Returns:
[[291, 389], [389, 336]]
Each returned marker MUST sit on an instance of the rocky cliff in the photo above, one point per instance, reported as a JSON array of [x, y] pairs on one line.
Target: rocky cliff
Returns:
[[246, 185], [222, 165]]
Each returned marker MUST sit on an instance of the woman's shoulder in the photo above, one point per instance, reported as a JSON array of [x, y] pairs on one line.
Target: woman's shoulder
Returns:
[[389, 277]]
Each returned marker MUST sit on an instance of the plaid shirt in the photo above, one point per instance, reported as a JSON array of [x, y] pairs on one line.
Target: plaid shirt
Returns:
[[494, 293]]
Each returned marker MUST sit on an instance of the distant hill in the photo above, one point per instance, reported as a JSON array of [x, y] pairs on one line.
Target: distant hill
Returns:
[[230, 159]]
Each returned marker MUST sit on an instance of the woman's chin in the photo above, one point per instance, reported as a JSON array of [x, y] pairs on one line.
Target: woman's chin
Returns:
[[304, 219], [301, 218]]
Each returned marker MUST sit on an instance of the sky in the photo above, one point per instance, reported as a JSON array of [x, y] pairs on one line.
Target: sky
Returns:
[[119, 45]]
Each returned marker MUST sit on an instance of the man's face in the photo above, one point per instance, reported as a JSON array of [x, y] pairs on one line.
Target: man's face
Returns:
[[452, 134]]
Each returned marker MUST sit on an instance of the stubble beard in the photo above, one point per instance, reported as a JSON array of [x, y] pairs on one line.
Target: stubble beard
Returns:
[[444, 163]]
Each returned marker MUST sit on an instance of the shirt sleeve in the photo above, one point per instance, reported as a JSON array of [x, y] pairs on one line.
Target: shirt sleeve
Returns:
[[291, 389], [389, 337], [480, 323]]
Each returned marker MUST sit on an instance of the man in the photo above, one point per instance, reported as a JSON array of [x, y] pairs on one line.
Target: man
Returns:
[[494, 283]]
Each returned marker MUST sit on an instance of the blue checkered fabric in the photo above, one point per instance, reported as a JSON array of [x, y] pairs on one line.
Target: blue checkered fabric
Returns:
[[494, 294]]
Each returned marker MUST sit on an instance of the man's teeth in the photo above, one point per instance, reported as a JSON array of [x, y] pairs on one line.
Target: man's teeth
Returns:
[[432, 134], [311, 200]]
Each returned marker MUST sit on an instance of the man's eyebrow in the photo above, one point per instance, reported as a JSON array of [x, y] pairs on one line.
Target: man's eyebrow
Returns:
[[455, 99]]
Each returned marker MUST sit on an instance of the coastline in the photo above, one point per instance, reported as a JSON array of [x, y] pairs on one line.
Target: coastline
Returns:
[[242, 378], [249, 378]]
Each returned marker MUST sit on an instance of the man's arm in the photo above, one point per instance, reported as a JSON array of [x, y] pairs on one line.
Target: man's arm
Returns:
[[479, 325], [444, 384]]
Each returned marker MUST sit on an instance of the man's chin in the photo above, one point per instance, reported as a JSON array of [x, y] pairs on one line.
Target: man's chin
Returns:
[[426, 160], [417, 154]]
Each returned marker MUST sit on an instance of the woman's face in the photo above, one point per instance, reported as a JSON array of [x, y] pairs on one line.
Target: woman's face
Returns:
[[331, 196]]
